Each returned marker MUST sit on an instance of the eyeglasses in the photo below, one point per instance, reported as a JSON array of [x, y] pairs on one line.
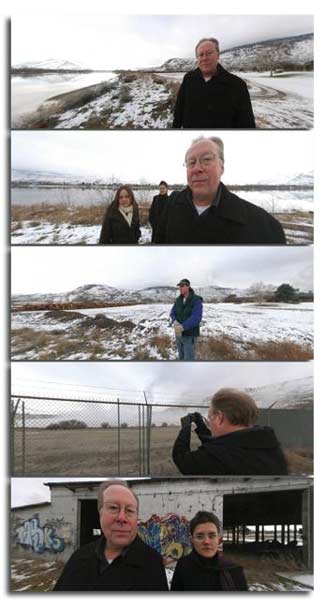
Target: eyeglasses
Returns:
[[212, 536], [206, 54], [205, 160], [114, 509]]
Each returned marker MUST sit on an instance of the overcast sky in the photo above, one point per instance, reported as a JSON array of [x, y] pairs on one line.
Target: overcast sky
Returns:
[[58, 269], [130, 41], [250, 157], [163, 383]]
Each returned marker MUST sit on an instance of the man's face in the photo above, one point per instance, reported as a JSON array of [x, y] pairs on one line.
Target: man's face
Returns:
[[205, 539], [207, 58], [214, 421], [118, 517], [184, 290], [163, 190], [204, 178]]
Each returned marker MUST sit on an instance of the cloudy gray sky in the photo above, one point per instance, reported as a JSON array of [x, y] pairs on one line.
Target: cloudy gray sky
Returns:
[[131, 41], [163, 383], [152, 156], [58, 269]]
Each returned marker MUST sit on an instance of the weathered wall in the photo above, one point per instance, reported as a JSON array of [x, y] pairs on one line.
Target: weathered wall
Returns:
[[166, 506]]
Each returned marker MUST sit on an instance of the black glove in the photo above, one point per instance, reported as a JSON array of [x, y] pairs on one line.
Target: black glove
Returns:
[[199, 420], [187, 420]]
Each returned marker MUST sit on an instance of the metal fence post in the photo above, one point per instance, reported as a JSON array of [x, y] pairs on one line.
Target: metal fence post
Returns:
[[118, 439], [23, 439]]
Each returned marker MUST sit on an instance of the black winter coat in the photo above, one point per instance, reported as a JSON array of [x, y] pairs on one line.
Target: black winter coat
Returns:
[[231, 221], [251, 451], [221, 102], [139, 569], [158, 204], [196, 573], [116, 230]]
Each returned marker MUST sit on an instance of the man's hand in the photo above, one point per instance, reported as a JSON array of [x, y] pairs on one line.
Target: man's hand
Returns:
[[178, 328], [199, 420], [187, 420]]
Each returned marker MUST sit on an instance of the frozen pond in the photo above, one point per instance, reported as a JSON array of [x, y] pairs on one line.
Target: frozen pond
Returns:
[[28, 92], [270, 200]]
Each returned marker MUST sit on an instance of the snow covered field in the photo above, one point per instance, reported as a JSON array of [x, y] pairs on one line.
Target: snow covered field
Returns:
[[140, 328]]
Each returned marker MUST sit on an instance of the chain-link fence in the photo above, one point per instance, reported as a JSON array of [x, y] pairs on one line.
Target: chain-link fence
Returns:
[[73, 437]]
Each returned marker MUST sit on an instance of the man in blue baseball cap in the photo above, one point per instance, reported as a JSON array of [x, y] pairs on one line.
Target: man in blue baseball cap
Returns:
[[186, 315]]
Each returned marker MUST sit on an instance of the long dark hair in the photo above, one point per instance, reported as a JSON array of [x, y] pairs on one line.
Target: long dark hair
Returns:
[[115, 203]]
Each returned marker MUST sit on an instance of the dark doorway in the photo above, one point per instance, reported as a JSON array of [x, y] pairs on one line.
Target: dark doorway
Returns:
[[89, 527]]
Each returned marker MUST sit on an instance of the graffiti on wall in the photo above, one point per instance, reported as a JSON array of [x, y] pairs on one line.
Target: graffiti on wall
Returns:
[[169, 535], [39, 538]]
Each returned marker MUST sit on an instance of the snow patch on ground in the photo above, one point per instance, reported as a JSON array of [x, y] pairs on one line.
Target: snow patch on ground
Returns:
[[243, 324]]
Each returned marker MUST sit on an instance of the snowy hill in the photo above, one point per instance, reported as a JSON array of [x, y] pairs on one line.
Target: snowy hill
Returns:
[[108, 294], [284, 52], [50, 64], [287, 394]]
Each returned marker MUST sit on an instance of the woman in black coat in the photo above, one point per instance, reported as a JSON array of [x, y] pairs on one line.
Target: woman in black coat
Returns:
[[121, 224], [204, 569]]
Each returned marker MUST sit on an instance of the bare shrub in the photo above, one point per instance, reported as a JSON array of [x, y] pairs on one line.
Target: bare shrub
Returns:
[[163, 344]]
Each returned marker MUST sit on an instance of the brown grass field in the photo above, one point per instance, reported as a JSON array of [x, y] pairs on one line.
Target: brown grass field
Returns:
[[94, 452]]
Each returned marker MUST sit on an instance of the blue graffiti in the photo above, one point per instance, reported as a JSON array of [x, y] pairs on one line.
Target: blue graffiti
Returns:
[[169, 535], [39, 538]]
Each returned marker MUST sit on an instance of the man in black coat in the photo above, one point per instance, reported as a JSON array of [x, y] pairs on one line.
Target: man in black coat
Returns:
[[158, 204], [119, 560], [206, 212], [232, 444], [211, 97], [204, 569]]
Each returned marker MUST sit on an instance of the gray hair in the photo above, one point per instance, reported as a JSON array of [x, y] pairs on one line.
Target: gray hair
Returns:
[[216, 140], [107, 484], [237, 406], [213, 40]]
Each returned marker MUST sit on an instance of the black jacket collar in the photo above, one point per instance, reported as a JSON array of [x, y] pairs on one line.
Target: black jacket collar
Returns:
[[226, 205]]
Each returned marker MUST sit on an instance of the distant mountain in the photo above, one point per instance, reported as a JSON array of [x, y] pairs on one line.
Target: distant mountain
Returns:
[[38, 176], [296, 393], [50, 64], [108, 294], [285, 53]]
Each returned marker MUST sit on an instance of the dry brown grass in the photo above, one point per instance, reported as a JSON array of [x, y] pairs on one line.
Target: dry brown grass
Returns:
[[283, 350], [300, 460], [59, 213], [218, 348], [94, 451], [163, 344], [222, 348]]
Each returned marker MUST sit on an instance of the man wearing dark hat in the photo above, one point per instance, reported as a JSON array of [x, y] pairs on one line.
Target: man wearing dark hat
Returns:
[[186, 315]]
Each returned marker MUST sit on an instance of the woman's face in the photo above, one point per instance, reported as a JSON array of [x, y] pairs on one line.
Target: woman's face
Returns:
[[163, 190], [205, 539], [124, 198]]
